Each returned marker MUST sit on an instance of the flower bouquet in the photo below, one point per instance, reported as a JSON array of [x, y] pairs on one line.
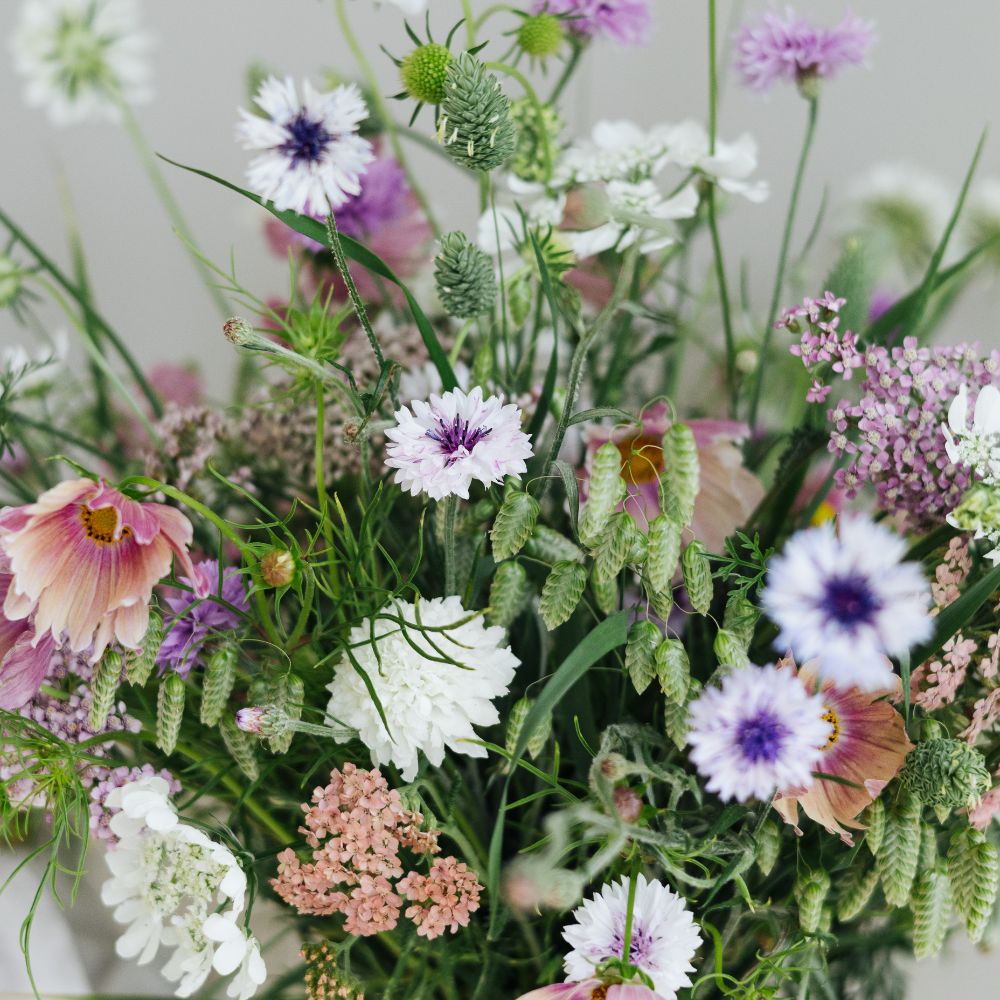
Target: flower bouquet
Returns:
[[542, 618]]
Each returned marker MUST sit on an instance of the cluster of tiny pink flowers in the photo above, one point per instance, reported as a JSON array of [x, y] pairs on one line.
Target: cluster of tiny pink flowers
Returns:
[[984, 715], [451, 891], [894, 433], [951, 573], [821, 343], [105, 781], [944, 676], [981, 815], [356, 827]]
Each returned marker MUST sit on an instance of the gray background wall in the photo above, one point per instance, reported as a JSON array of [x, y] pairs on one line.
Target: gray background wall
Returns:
[[932, 86]]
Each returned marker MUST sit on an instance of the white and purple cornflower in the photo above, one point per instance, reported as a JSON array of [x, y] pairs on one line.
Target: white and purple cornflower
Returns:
[[193, 620], [847, 599], [663, 939], [760, 732], [310, 153], [443, 445]]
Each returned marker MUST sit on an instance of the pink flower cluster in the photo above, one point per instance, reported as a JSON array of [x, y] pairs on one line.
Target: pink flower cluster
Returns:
[[356, 827], [894, 433], [821, 343]]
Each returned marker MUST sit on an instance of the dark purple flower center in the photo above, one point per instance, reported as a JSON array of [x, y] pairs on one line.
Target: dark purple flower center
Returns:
[[640, 944], [457, 439], [307, 139], [761, 737], [849, 601]]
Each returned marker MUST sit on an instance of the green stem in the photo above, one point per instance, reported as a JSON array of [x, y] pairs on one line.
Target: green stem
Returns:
[[470, 24], [532, 96], [567, 73], [448, 510], [630, 909], [786, 239], [383, 111], [713, 80]]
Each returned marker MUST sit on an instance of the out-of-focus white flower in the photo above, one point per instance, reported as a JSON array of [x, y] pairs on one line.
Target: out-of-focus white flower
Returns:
[[425, 381], [503, 231], [977, 446], [411, 8], [430, 704], [616, 150], [310, 155], [81, 58], [730, 165], [30, 370]]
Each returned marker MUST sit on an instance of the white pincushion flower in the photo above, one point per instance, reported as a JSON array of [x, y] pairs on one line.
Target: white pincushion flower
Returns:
[[616, 150], [977, 447], [663, 941], [847, 599], [759, 732], [172, 884], [443, 445], [310, 152], [81, 58], [430, 702], [730, 165]]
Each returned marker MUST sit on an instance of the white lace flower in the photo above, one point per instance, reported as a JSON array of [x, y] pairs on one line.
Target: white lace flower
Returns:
[[978, 446], [310, 152], [442, 446], [663, 941], [616, 150], [847, 599], [435, 682], [759, 732], [730, 165], [81, 58]]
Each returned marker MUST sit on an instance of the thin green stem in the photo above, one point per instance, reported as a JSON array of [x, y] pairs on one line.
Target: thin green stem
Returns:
[[786, 239], [567, 73], [713, 80], [470, 24], [448, 510], [630, 909], [532, 96]]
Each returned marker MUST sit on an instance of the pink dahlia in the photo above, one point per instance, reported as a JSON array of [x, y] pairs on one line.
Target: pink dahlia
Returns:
[[593, 989], [84, 560]]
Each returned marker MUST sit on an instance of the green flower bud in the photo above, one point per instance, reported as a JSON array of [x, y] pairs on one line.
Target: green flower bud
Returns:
[[513, 525], [537, 130], [278, 568], [464, 277], [424, 72], [541, 35], [509, 593], [697, 573], [946, 774], [640, 653], [139, 665], [217, 685]]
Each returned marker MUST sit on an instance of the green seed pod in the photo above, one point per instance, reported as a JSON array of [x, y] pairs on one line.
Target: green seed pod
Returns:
[[664, 552], [874, 820], [673, 670], [169, 711], [946, 774], [515, 723], [464, 277], [561, 593], [899, 853], [740, 618], [424, 72], [475, 123], [662, 603], [240, 746], [139, 666], [681, 472], [638, 545], [103, 688], [855, 891], [697, 572], [811, 889], [536, 131], [931, 906], [551, 547], [290, 692], [974, 871], [605, 594], [612, 547], [606, 490], [509, 593], [675, 716], [768, 846], [513, 525], [928, 848], [640, 650], [541, 35], [217, 685], [729, 650]]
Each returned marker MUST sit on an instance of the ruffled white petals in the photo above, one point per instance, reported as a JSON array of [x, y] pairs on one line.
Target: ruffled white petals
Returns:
[[430, 704]]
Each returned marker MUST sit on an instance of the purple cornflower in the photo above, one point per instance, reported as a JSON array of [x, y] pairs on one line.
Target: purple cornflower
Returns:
[[821, 343], [194, 620], [624, 21], [894, 433], [384, 198], [790, 48], [108, 779]]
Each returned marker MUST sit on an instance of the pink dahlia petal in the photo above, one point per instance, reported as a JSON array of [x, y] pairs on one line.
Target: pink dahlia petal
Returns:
[[23, 668]]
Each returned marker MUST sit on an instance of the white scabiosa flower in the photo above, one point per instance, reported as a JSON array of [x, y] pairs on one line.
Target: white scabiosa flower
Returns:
[[435, 681], [81, 58], [729, 165], [443, 445], [177, 889], [309, 151], [663, 941], [978, 446], [847, 599], [759, 732]]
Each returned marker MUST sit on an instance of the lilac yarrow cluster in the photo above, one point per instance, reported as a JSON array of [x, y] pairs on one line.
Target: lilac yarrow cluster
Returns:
[[894, 433]]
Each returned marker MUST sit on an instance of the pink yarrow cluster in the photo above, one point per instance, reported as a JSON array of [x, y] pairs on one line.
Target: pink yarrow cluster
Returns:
[[356, 827], [821, 343], [894, 433]]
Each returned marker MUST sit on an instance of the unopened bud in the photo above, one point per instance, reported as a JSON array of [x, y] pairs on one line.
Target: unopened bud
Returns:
[[251, 720], [628, 804], [278, 568], [613, 766], [238, 331]]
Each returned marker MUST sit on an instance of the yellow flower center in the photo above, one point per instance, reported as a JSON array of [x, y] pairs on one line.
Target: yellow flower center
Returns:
[[99, 525], [835, 729], [642, 458], [600, 993]]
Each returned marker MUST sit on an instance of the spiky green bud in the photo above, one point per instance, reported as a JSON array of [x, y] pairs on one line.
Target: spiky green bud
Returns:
[[240, 746], [139, 665], [475, 123], [541, 35], [974, 870], [515, 724], [640, 653], [217, 685], [811, 889], [606, 489], [931, 906], [561, 593], [673, 670], [899, 852], [681, 473], [103, 688], [509, 593], [855, 891], [946, 774], [550, 546], [664, 552], [537, 132], [464, 277], [514, 524], [170, 711], [697, 572], [768, 846], [612, 548], [424, 72]]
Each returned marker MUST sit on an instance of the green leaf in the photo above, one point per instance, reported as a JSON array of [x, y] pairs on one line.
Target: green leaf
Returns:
[[549, 384], [609, 635], [572, 488], [513, 525], [853, 278], [599, 413], [359, 254]]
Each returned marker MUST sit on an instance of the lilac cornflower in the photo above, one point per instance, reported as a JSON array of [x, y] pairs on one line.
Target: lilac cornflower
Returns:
[[790, 48], [895, 435], [194, 621], [624, 21]]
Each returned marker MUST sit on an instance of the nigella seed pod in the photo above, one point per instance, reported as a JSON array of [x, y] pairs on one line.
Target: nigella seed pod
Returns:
[[169, 711], [464, 276], [103, 688]]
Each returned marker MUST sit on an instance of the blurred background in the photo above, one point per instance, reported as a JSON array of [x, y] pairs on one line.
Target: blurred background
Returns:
[[932, 86]]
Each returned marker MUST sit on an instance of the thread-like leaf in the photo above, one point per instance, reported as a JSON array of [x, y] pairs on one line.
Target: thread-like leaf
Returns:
[[974, 869], [513, 525], [241, 747], [855, 890], [169, 711], [931, 906], [612, 548], [643, 638], [605, 490], [899, 852], [673, 670], [561, 593], [679, 480], [664, 552], [811, 889], [103, 688], [217, 684], [509, 593], [697, 573]]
